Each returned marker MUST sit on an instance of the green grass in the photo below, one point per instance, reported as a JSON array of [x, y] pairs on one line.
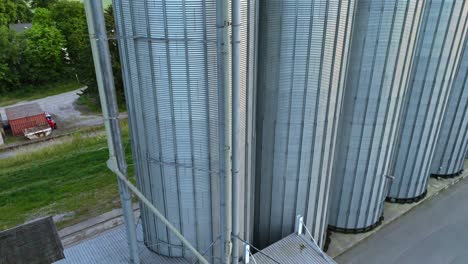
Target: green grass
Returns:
[[90, 103], [105, 3], [9, 139], [31, 93], [70, 177]]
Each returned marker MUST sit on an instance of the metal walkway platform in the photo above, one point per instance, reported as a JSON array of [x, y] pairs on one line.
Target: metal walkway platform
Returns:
[[292, 249], [111, 248]]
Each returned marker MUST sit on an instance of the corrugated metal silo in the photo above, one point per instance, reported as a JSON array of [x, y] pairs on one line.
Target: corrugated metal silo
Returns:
[[449, 156], [438, 53], [172, 84], [303, 50], [384, 40]]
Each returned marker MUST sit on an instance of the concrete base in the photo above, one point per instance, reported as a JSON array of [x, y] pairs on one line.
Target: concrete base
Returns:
[[356, 230], [446, 176], [343, 242], [406, 200]]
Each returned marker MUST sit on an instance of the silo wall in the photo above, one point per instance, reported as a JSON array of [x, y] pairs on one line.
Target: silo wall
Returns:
[[175, 104], [438, 53], [450, 152], [303, 50], [383, 45]]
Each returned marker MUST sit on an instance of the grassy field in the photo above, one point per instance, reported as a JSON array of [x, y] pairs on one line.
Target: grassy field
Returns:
[[70, 178], [38, 92]]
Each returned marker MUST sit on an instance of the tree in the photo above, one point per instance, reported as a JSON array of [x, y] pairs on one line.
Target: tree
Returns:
[[43, 55], [43, 17], [10, 58], [115, 55], [14, 11], [23, 12], [42, 3], [70, 19]]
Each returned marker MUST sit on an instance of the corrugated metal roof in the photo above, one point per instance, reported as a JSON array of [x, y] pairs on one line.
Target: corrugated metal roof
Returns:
[[292, 249], [21, 111], [20, 27]]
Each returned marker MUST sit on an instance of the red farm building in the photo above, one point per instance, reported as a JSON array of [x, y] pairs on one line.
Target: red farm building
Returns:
[[25, 116]]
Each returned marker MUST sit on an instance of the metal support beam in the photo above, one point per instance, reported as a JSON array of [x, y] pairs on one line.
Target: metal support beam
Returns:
[[235, 126], [224, 93], [107, 95], [299, 224], [246, 254]]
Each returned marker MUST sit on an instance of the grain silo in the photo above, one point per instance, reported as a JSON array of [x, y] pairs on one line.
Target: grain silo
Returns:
[[175, 99], [439, 48], [303, 51], [383, 45], [449, 156]]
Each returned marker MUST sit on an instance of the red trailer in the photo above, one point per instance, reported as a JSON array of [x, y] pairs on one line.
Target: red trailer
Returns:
[[25, 116]]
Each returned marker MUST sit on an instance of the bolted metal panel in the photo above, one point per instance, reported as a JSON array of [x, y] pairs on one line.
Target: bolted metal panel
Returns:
[[452, 144], [384, 40], [170, 67], [438, 53], [303, 51]]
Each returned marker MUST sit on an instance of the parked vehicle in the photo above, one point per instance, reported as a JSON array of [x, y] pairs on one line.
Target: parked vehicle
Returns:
[[50, 121], [42, 130]]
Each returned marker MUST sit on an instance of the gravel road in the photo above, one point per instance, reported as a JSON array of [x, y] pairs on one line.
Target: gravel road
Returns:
[[63, 108], [65, 112]]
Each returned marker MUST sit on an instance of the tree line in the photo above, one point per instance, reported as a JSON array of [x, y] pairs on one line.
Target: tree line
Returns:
[[55, 48]]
